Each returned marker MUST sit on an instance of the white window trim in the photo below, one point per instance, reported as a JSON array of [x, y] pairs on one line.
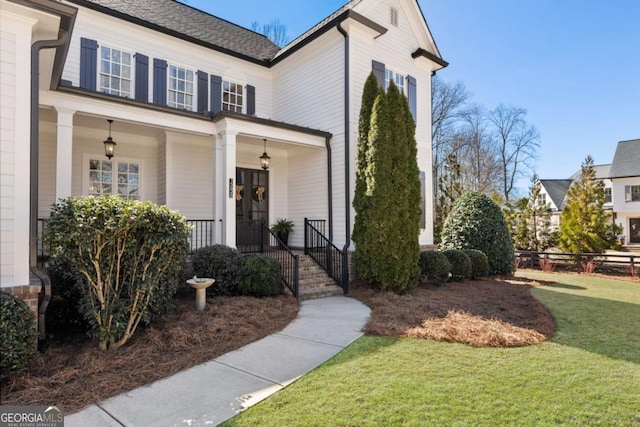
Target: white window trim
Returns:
[[132, 85], [628, 193], [395, 75], [244, 93], [86, 157], [194, 101]]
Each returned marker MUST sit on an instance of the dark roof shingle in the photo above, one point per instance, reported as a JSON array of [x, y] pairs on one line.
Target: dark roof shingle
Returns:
[[557, 189], [626, 162]]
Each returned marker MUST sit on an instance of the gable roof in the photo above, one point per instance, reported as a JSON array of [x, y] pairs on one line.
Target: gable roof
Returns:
[[626, 162], [185, 22], [556, 189], [601, 171]]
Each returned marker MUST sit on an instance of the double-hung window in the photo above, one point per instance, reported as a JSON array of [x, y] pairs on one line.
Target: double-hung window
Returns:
[[115, 71], [632, 193], [180, 88], [397, 78], [607, 194], [232, 96], [121, 178]]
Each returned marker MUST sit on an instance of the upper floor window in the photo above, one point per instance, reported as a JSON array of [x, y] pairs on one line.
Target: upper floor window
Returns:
[[180, 88], [397, 78], [632, 193], [542, 199], [232, 96], [111, 177], [607, 194], [115, 71]]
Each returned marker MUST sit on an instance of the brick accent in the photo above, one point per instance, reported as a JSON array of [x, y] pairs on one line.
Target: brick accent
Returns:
[[29, 294]]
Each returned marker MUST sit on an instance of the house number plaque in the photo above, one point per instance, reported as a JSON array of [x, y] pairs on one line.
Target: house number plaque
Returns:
[[231, 192]]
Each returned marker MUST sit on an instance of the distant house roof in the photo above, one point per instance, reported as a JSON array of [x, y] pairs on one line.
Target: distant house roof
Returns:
[[626, 162], [557, 189], [602, 172], [186, 22]]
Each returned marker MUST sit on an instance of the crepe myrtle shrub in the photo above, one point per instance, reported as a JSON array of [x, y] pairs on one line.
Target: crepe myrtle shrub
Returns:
[[460, 264], [476, 222], [221, 263], [18, 335], [435, 267], [127, 257], [260, 276], [479, 263]]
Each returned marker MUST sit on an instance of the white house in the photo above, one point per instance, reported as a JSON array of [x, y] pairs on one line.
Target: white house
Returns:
[[194, 102]]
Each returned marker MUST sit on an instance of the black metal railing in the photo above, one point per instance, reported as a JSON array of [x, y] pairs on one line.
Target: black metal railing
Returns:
[[202, 233], [250, 237], [334, 261]]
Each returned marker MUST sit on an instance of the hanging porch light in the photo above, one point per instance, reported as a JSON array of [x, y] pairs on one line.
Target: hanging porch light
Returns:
[[265, 159], [109, 143]]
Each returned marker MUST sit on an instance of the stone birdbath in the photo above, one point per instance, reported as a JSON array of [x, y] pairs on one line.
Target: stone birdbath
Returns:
[[200, 284]]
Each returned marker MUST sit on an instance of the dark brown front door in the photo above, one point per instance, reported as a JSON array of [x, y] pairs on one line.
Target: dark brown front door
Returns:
[[252, 205], [634, 230]]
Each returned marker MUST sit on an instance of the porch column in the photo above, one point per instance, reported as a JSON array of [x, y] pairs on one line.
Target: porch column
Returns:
[[229, 187], [219, 190], [64, 153]]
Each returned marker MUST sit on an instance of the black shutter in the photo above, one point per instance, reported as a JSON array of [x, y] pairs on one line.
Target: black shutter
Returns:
[[216, 94], [251, 100], [378, 72], [159, 81], [203, 91], [88, 63], [412, 96], [142, 78]]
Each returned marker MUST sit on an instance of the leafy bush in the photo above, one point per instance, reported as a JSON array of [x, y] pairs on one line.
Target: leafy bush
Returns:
[[219, 262], [260, 276], [479, 263], [127, 257], [435, 266], [460, 264], [476, 222], [18, 335], [63, 311]]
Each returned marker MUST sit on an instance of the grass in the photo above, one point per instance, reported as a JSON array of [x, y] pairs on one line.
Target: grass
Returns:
[[587, 375]]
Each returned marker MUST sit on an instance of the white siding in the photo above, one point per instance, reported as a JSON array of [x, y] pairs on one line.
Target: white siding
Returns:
[[47, 168]]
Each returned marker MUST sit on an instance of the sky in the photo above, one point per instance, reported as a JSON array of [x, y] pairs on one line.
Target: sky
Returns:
[[574, 65]]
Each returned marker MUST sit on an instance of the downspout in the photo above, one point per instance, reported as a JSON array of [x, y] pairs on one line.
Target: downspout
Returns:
[[33, 179], [347, 195], [327, 142]]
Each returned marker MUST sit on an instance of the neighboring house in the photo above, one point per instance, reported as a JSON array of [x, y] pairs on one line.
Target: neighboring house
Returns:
[[621, 181], [195, 101]]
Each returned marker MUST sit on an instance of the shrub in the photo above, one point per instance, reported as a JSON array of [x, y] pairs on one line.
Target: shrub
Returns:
[[435, 266], [260, 276], [460, 264], [126, 256], [63, 311], [476, 222], [479, 263], [222, 263], [18, 335]]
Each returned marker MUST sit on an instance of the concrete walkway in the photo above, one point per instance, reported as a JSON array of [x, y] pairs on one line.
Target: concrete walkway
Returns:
[[215, 391]]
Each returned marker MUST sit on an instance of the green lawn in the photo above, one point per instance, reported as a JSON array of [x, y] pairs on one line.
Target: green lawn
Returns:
[[588, 374]]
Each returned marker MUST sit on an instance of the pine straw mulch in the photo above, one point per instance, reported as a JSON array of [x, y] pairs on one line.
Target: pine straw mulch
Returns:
[[483, 313], [76, 374]]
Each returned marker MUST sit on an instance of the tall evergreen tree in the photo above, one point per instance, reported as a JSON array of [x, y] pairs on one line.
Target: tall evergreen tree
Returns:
[[533, 221], [585, 227]]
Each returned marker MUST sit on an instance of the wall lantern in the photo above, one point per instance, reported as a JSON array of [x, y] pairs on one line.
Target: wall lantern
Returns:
[[264, 159], [109, 143]]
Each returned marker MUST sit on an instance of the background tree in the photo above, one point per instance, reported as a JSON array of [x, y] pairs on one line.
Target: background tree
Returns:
[[533, 221], [585, 227], [517, 143], [274, 31], [450, 188]]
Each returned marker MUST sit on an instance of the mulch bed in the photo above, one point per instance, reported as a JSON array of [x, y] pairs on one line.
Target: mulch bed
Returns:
[[76, 374], [483, 313]]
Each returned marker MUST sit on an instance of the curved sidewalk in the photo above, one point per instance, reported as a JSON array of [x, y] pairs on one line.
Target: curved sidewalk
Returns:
[[215, 391]]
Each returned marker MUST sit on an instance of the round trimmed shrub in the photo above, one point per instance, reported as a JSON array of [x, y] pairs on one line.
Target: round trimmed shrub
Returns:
[[460, 264], [479, 263], [17, 335], [476, 222], [434, 266], [260, 276], [219, 262]]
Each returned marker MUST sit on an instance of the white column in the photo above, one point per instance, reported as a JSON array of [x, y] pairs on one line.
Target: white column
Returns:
[[219, 191], [64, 153], [228, 202]]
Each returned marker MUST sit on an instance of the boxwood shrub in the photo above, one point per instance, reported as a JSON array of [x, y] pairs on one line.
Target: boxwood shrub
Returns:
[[18, 335], [434, 266], [219, 262], [260, 276], [460, 264], [479, 263]]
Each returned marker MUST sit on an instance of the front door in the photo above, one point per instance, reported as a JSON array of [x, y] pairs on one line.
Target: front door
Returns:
[[634, 230], [252, 207]]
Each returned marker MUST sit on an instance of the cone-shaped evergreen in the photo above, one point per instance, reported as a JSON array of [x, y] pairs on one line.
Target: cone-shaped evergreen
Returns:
[[387, 248], [584, 224]]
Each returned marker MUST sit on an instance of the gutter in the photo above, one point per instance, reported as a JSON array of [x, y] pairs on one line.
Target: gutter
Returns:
[[62, 39], [347, 193], [330, 185]]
